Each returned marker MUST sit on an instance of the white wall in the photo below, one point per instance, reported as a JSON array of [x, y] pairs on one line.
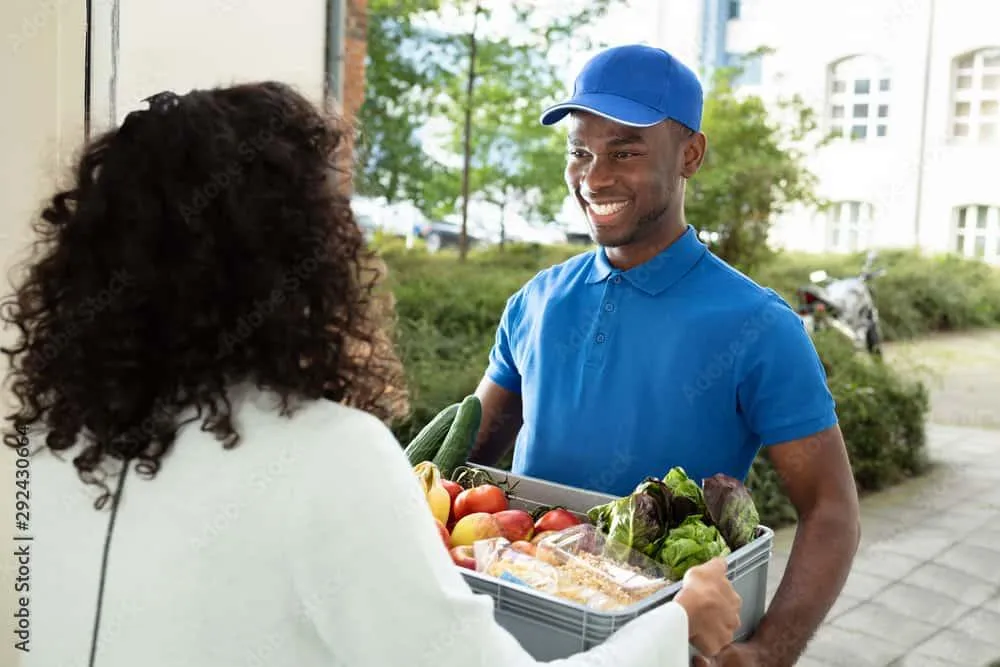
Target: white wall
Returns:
[[185, 44], [956, 174], [674, 22], [808, 37]]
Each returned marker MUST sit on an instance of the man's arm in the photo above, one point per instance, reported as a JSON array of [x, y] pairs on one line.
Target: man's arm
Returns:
[[500, 390], [817, 477], [501, 421], [784, 398]]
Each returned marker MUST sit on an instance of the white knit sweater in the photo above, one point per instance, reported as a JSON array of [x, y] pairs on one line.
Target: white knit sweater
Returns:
[[310, 544]]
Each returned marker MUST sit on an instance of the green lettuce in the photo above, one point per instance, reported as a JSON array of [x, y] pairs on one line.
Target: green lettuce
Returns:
[[685, 496], [690, 544], [637, 521], [731, 509]]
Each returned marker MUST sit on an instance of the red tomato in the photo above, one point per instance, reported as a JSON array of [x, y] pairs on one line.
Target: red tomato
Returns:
[[555, 520], [483, 498]]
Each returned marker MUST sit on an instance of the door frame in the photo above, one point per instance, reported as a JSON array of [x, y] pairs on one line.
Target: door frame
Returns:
[[101, 62]]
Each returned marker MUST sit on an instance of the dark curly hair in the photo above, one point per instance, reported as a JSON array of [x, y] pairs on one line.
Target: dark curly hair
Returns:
[[208, 241]]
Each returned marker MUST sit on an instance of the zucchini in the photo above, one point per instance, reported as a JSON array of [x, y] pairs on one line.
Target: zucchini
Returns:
[[461, 437], [425, 444]]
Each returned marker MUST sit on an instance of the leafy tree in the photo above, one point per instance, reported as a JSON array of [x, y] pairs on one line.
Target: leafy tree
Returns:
[[403, 78], [488, 90], [511, 155], [753, 169], [494, 105]]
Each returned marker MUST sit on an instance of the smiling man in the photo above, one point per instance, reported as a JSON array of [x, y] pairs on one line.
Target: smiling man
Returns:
[[650, 352]]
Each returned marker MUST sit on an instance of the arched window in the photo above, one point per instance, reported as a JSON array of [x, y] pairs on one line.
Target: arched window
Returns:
[[977, 232], [848, 226], [858, 98], [976, 96]]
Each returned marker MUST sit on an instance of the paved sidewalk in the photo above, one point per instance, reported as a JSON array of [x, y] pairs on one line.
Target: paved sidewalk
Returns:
[[925, 586], [962, 372]]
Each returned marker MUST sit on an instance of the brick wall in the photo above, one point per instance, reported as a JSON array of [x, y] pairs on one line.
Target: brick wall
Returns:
[[392, 402], [354, 57], [355, 52]]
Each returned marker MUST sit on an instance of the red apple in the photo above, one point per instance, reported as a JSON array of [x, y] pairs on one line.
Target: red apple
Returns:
[[483, 498], [517, 525], [464, 556], [445, 535], [474, 527]]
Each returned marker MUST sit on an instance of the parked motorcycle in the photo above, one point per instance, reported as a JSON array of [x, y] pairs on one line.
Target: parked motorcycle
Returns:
[[845, 305]]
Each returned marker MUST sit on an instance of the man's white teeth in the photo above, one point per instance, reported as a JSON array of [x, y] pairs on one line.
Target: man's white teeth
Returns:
[[608, 209]]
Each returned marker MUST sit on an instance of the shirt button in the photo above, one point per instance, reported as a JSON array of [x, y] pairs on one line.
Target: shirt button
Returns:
[[617, 279], [609, 307], [600, 338]]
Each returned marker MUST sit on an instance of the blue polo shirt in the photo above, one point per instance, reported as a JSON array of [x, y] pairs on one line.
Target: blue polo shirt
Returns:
[[681, 361]]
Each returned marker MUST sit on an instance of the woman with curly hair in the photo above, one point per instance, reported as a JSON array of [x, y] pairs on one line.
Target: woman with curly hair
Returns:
[[202, 389]]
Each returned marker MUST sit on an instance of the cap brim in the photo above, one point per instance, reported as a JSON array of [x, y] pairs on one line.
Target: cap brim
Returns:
[[612, 107]]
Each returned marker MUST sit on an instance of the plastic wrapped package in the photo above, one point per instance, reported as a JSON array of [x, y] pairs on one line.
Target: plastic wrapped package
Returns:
[[498, 558], [578, 565]]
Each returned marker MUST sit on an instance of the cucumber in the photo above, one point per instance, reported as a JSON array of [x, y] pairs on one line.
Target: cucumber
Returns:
[[425, 444], [461, 436]]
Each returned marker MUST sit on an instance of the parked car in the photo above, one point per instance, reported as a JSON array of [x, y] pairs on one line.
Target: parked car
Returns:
[[438, 235], [579, 238], [367, 224]]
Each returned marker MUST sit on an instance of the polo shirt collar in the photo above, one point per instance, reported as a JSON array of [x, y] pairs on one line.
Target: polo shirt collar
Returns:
[[660, 272]]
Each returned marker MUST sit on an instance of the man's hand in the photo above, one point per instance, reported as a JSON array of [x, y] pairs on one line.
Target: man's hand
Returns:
[[817, 478]]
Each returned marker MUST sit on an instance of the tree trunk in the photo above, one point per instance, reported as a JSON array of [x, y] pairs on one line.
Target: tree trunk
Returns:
[[503, 224], [463, 242]]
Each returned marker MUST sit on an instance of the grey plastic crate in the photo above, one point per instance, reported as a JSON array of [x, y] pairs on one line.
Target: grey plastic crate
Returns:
[[551, 628]]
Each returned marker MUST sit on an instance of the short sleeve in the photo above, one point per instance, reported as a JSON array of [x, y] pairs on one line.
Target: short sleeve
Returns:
[[502, 367], [781, 383]]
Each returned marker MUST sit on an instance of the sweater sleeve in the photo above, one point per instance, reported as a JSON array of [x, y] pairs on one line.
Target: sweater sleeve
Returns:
[[379, 588]]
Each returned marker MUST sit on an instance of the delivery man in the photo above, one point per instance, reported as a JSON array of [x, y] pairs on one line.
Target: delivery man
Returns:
[[650, 352]]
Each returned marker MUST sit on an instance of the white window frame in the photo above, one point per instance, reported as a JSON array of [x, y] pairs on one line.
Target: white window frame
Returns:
[[974, 225], [973, 102], [849, 226], [844, 99]]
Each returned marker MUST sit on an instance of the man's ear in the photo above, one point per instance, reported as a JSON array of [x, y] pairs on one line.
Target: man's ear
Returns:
[[694, 154]]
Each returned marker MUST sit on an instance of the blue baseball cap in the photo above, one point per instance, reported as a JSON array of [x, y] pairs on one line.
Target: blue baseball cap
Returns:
[[634, 85]]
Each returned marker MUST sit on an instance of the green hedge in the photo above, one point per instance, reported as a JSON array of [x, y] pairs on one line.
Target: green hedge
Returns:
[[448, 310], [882, 416]]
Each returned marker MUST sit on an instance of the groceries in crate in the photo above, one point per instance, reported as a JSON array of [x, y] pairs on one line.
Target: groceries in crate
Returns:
[[678, 523], [673, 521], [577, 564], [483, 511]]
